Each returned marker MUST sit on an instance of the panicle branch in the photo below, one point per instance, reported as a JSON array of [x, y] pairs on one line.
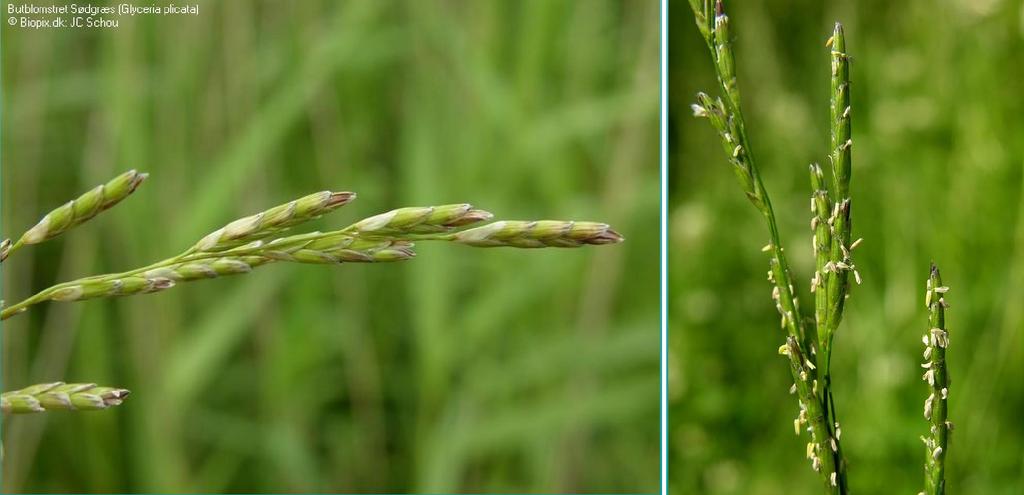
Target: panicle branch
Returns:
[[726, 117], [241, 245]]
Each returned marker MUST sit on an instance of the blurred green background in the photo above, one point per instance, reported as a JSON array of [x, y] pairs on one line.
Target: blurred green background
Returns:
[[463, 370], [938, 124]]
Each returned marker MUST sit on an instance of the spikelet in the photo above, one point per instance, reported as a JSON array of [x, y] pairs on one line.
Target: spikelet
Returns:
[[83, 208], [421, 220], [97, 288], [538, 234], [340, 248], [5, 249], [273, 221], [60, 396], [207, 268]]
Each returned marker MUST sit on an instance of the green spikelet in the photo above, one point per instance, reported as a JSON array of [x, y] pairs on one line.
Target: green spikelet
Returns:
[[273, 221], [538, 234], [83, 208], [60, 396], [421, 220]]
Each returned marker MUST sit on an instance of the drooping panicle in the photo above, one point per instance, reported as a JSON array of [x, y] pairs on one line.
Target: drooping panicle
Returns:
[[82, 208], [936, 376], [273, 221], [58, 396]]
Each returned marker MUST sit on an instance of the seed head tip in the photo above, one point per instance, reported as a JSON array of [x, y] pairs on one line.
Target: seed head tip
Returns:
[[341, 198], [609, 237]]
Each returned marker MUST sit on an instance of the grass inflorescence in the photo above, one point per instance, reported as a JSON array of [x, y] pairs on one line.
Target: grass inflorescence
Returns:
[[936, 375], [804, 352], [810, 355], [259, 239]]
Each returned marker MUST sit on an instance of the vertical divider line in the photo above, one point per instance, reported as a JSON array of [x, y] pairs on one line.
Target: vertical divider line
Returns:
[[3, 22]]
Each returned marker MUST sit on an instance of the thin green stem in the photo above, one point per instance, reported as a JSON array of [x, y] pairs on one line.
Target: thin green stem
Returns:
[[44, 294], [188, 256]]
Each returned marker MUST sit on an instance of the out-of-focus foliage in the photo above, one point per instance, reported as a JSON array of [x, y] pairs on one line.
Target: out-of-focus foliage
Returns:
[[938, 132], [463, 370]]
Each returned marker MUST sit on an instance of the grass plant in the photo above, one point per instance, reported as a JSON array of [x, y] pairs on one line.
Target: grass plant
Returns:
[[811, 385], [810, 354]]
